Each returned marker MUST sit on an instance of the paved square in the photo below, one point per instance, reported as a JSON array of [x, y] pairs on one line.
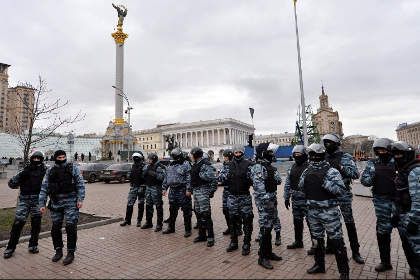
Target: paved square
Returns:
[[114, 252]]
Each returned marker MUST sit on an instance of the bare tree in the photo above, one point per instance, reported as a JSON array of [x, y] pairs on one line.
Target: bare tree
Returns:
[[43, 118]]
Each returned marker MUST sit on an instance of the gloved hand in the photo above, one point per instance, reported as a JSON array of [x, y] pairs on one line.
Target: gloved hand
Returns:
[[412, 228], [394, 220], [287, 204], [211, 195], [151, 173]]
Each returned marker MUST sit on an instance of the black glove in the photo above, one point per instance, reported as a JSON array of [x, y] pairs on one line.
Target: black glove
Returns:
[[412, 228], [211, 195], [394, 220], [287, 204], [151, 173]]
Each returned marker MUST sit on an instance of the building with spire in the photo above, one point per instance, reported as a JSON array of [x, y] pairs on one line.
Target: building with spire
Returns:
[[326, 119]]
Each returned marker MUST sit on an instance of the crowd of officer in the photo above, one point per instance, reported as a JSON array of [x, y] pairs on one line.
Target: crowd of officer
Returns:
[[318, 185]]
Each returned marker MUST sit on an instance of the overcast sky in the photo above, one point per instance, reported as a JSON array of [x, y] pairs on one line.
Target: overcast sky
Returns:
[[189, 60]]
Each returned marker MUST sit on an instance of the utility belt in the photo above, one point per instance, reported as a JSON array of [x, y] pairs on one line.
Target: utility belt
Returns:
[[178, 186], [237, 193], [323, 204]]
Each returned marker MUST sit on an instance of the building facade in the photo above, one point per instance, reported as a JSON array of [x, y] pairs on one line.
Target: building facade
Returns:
[[281, 139], [16, 104], [326, 119], [212, 136], [149, 141], [409, 133]]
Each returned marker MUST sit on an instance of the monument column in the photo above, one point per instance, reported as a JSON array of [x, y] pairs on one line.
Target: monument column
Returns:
[[119, 37]]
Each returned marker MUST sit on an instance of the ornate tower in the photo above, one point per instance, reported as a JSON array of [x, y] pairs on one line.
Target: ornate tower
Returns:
[[323, 100]]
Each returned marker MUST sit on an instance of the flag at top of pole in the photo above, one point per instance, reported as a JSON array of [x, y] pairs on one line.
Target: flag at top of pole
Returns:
[[251, 111]]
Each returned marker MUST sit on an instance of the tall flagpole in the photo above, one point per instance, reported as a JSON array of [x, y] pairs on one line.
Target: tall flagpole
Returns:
[[302, 94]]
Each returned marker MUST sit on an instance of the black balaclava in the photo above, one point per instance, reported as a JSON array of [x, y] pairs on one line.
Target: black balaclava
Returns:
[[316, 157], [57, 154], [330, 146], [384, 157], [238, 158], [300, 159]]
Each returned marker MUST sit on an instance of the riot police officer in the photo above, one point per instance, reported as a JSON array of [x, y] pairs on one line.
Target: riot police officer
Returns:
[[154, 173], [345, 164], [322, 185], [178, 181], [137, 190], [203, 187], [406, 214], [227, 157], [379, 174], [299, 208], [265, 179], [65, 186], [29, 181], [238, 174]]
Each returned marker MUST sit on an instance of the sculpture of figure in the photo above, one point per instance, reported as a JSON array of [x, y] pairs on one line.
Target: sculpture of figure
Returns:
[[122, 13]]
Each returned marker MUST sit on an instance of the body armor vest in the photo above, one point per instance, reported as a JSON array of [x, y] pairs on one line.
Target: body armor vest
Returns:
[[313, 184], [238, 176], [136, 174], [196, 180], [270, 182], [32, 179], [152, 180], [402, 198], [295, 173], [384, 182], [60, 179]]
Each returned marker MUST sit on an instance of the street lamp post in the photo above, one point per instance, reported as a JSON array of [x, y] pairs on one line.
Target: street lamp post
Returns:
[[129, 108]]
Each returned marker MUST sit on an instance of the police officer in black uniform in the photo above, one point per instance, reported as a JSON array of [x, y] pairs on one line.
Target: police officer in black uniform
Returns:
[[29, 180]]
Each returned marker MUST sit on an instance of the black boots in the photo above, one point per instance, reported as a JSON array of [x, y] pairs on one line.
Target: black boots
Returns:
[[248, 226], [71, 231], [384, 245], [354, 243], [341, 257], [226, 214], [69, 258], [173, 213], [35, 229], [140, 211], [201, 229], [14, 238], [298, 225], [205, 229], [58, 255], [128, 215], [319, 257], [264, 251], [57, 236], [278, 239], [233, 235], [187, 226], [159, 217]]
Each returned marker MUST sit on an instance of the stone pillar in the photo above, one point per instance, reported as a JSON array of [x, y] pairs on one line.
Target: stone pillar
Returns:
[[224, 136], [214, 138], [119, 37]]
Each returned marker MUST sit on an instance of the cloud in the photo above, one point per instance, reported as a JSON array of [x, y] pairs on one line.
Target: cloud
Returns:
[[192, 60]]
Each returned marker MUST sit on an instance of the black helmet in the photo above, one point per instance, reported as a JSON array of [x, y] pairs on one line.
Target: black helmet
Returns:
[[299, 154], [197, 152], [153, 157], [176, 154], [403, 153], [384, 143], [228, 153], [331, 142], [36, 154]]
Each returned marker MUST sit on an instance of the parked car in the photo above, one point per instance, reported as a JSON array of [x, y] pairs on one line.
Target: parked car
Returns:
[[91, 171], [116, 172]]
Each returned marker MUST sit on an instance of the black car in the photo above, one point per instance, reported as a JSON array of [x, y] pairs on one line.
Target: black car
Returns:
[[91, 171], [116, 172]]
